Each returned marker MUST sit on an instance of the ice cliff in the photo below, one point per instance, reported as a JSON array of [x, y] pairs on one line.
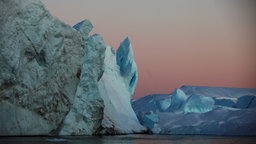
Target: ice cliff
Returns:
[[116, 90], [59, 80], [199, 110]]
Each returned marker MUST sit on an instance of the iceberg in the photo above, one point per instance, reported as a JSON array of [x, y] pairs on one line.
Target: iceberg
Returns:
[[119, 117], [199, 110], [60, 80]]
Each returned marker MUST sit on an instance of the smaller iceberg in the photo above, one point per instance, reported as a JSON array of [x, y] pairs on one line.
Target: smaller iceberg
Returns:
[[199, 110]]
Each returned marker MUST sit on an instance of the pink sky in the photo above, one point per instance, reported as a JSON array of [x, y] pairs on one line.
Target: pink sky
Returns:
[[176, 43]]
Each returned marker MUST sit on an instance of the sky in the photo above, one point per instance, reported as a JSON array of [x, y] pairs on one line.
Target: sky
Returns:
[[175, 42]]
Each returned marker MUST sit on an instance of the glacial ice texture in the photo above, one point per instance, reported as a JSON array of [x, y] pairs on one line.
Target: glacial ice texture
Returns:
[[199, 110], [127, 65], [119, 117], [53, 79]]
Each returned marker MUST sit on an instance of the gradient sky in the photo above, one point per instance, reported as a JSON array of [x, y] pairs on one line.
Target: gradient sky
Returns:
[[176, 42]]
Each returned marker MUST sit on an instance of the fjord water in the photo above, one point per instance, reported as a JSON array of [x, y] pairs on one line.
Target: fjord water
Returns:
[[132, 139]]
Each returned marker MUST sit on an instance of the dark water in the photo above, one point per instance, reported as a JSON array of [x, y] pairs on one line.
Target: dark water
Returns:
[[131, 139]]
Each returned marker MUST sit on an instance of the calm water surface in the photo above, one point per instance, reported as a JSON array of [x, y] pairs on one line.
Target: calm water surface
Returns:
[[131, 139]]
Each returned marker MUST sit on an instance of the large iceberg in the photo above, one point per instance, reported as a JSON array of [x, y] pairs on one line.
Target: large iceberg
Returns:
[[41, 59], [59, 80], [199, 110]]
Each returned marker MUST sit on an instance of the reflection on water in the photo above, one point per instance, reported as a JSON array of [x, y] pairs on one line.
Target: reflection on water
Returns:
[[131, 139]]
